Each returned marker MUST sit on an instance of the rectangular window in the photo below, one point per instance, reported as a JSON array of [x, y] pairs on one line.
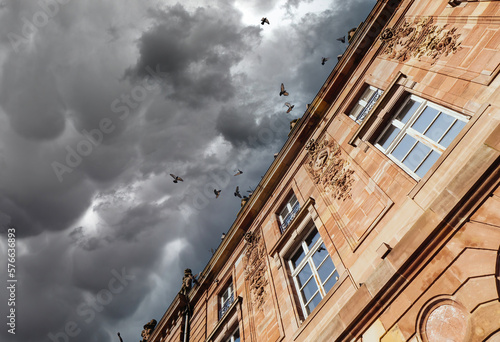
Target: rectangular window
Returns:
[[365, 103], [235, 336], [288, 212], [418, 134], [226, 299], [313, 271]]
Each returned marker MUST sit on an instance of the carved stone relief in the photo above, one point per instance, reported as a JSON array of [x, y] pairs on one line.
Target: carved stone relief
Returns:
[[419, 38], [328, 169], [255, 268]]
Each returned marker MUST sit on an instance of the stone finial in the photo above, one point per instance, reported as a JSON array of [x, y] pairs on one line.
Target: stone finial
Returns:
[[148, 330], [187, 281]]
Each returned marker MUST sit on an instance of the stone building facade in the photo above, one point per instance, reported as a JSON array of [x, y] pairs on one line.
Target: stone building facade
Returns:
[[379, 220]]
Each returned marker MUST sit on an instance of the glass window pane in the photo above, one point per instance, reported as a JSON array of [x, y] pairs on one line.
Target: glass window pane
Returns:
[[403, 147], [427, 164], [309, 290], [285, 211], [408, 110], [236, 336], [425, 119], [297, 257], [304, 274], [388, 137], [326, 269], [310, 307], [438, 127], [419, 152], [452, 133], [312, 238], [332, 281], [319, 255]]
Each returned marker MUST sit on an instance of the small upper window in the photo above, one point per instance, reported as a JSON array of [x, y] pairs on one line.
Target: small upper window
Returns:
[[418, 134], [288, 212], [235, 336], [365, 103], [313, 271], [226, 299]]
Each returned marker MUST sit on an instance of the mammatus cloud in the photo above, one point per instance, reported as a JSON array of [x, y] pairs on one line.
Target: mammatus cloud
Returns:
[[121, 96]]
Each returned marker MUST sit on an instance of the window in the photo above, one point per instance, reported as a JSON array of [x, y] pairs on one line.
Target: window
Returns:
[[226, 299], [365, 103], [288, 212], [235, 337], [313, 271], [418, 134]]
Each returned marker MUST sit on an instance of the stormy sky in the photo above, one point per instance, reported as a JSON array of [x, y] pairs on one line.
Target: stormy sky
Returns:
[[99, 102]]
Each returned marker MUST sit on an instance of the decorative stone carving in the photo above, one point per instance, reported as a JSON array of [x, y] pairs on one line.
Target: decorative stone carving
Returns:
[[328, 169], [419, 38], [148, 330], [255, 268]]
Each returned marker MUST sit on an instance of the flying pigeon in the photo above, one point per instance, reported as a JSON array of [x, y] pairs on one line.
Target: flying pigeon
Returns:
[[238, 173], [341, 39], [237, 192], [264, 20], [323, 60], [283, 91], [290, 107], [217, 192], [176, 178]]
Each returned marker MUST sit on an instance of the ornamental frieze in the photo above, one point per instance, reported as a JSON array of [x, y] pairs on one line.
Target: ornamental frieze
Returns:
[[419, 38], [329, 169], [255, 268]]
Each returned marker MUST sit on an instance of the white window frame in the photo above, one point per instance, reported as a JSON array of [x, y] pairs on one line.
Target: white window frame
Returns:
[[406, 129], [230, 293], [364, 103], [309, 252], [232, 338], [289, 205]]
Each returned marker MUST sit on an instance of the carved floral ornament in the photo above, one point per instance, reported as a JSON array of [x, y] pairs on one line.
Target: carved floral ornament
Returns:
[[328, 169], [255, 268], [419, 38]]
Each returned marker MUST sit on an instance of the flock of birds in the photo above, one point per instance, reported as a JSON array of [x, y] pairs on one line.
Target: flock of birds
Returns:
[[237, 193], [283, 92]]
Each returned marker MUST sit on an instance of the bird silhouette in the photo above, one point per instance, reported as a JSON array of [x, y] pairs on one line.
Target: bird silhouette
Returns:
[[290, 107], [341, 39], [176, 178], [283, 91], [217, 193], [324, 59], [264, 20], [237, 192], [238, 173]]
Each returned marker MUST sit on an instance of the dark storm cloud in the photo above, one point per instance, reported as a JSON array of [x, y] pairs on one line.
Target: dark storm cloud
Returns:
[[213, 107], [195, 52], [31, 99], [239, 126]]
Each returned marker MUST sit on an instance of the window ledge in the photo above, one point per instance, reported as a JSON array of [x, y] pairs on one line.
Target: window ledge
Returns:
[[226, 319], [292, 227]]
